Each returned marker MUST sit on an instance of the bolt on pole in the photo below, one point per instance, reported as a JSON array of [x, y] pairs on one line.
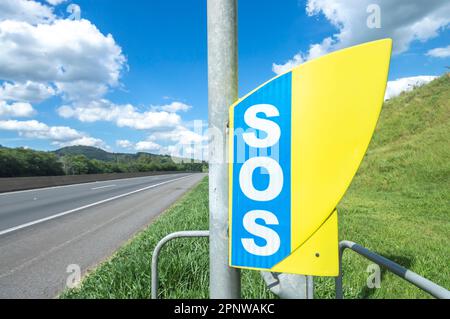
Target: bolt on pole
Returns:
[[222, 92]]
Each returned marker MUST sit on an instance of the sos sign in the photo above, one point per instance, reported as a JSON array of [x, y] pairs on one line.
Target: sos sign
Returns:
[[296, 143]]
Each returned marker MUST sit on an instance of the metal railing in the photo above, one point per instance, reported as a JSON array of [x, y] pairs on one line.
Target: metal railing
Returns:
[[408, 275], [426, 285], [160, 245]]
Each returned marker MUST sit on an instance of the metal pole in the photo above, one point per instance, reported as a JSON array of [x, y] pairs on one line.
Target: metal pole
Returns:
[[339, 283], [309, 287], [222, 92]]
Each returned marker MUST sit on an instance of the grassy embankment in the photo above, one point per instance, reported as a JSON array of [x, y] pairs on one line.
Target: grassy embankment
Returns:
[[398, 205]]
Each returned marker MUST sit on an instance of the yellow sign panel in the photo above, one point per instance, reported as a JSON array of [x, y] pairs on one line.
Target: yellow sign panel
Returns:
[[296, 143]]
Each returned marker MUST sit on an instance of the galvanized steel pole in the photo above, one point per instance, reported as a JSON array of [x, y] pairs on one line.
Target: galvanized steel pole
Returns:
[[222, 92]]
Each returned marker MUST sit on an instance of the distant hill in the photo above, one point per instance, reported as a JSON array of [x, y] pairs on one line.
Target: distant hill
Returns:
[[78, 160], [88, 151], [92, 153], [102, 155]]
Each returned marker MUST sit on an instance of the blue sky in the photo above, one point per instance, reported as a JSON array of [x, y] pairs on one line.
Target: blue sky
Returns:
[[154, 83]]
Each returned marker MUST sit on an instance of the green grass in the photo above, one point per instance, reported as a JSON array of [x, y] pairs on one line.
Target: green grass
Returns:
[[398, 205]]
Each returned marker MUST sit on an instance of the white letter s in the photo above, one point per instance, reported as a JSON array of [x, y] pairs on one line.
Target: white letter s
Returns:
[[270, 236], [271, 128]]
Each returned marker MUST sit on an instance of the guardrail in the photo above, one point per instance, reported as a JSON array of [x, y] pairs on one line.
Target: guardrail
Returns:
[[13, 184], [408, 275]]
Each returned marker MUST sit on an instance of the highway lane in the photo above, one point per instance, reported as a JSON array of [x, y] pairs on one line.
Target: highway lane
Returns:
[[76, 225], [23, 207]]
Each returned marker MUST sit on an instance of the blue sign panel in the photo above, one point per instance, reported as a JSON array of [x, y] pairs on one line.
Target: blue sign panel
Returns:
[[263, 201]]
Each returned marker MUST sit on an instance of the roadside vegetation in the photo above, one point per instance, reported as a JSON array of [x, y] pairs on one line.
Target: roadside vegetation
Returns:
[[398, 206], [79, 160]]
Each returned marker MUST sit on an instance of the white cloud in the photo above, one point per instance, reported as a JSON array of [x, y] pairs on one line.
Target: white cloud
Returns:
[[43, 55], [148, 120], [25, 92], [124, 143], [173, 107], [18, 109], [167, 134], [55, 2], [58, 135], [282, 68], [24, 10], [23, 126], [122, 115], [35, 129], [84, 141], [440, 52], [147, 146], [404, 21], [180, 134], [178, 142], [73, 55], [395, 88]]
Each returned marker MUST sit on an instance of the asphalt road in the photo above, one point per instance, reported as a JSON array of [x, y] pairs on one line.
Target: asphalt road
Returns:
[[47, 233]]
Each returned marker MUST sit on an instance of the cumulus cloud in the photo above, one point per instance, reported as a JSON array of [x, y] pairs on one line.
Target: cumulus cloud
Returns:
[[183, 142], [73, 55], [58, 135], [24, 10], [403, 20], [122, 115], [180, 134], [142, 146], [440, 52], [290, 64], [395, 88], [173, 107], [179, 142], [84, 141], [26, 92], [147, 146], [35, 129], [124, 143], [18, 109], [148, 120], [55, 2], [43, 55], [167, 133]]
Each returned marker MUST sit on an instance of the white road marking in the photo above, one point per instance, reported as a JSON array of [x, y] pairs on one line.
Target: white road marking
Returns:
[[107, 186], [12, 229], [79, 184], [57, 247]]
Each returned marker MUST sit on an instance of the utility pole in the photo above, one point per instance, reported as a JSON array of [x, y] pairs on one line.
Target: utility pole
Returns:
[[224, 281]]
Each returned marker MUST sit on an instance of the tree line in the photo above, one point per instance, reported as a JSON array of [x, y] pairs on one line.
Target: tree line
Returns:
[[22, 162]]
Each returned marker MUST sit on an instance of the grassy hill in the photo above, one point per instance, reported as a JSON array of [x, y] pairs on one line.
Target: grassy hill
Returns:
[[398, 205], [88, 151], [99, 154], [399, 202]]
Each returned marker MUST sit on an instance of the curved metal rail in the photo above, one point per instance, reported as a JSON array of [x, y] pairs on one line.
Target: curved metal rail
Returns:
[[410, 276], [160, 245]]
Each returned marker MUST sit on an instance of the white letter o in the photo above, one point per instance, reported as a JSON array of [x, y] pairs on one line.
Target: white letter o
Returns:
[[275, 179]]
